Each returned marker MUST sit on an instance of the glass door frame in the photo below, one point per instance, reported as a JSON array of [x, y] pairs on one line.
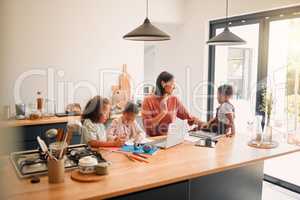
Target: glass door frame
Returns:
[[263, 19]]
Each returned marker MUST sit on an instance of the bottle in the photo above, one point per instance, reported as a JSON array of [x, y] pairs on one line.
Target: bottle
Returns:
[[267, 135], [39, 101], [259, 131], [6, 112]]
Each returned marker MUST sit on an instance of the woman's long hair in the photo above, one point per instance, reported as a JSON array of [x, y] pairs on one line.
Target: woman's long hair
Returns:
[[163, 76]]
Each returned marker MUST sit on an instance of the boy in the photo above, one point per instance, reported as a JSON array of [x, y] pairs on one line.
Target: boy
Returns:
[[126, 126]]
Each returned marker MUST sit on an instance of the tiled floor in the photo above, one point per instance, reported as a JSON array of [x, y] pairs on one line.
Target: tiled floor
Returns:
[[273, 192]]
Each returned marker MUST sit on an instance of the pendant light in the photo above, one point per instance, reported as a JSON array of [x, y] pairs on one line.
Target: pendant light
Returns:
[[146, 32], [226, 38]]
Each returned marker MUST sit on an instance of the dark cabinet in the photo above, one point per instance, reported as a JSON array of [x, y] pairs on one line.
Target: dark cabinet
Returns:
[[24, 138], [235, 184]]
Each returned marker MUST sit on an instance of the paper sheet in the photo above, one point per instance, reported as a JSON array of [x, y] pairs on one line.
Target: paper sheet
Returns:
[[145, 140]]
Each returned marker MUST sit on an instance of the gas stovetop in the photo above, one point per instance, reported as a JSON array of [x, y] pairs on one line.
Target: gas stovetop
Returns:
[[29, 163]]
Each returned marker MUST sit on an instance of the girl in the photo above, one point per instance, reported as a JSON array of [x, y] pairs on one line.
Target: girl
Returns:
[[126, 126], [95, 114], [223, 123]]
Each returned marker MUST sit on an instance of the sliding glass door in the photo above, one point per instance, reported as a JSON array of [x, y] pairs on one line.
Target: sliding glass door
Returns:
[[237, 65], [270, 60], [284, 84]]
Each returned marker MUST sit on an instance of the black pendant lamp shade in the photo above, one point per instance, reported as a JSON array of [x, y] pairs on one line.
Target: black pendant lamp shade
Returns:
[[226, 38], [147, 32]]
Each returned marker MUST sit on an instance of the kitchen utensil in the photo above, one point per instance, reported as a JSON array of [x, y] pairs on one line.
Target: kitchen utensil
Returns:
[[56, 170], [63, 146], [77, 176], [44, 148], [56, 147], [87, 165], [42, 144], [51, 133], [60, 134]]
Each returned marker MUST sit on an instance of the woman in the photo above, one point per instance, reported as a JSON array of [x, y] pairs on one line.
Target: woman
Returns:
[[162, 108], [95, 114]]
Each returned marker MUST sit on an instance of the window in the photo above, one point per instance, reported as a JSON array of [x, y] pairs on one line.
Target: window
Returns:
[[270, 60]]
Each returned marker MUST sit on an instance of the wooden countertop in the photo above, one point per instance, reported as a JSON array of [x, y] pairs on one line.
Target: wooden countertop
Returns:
[[182, 162], [44, 120]]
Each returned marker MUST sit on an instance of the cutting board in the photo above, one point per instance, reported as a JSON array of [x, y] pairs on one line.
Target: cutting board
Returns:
[[77, 176], [124, 82]]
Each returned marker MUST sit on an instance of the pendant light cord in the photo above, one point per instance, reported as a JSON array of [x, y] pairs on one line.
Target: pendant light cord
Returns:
[[147, 8], [226, 9], [227, 23]]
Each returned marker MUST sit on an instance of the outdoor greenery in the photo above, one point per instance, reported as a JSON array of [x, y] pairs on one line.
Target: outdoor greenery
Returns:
[[293, 67]]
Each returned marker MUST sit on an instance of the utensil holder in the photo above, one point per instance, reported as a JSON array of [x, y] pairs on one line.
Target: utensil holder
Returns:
[[56, 171]]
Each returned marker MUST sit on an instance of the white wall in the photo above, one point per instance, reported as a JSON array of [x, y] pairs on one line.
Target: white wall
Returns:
[[191, 43], [81, 37], [77, 37]]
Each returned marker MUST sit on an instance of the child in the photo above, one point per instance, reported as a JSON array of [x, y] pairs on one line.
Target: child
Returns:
[[94, 116], [223, 123], [126, 126]]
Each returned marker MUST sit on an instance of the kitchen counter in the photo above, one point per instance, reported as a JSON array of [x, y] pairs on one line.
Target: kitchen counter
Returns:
[[44, 120], [181, 170], [41, 121]]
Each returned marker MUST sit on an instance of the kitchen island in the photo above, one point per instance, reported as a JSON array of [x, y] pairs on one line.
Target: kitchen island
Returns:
[[231, 171]]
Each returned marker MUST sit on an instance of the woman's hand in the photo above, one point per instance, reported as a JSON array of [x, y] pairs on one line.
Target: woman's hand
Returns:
[[164, 104], [197, 122]]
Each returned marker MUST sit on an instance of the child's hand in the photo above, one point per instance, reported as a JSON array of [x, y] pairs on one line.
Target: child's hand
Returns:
[[119, 141], [229, 134], [205, 125]]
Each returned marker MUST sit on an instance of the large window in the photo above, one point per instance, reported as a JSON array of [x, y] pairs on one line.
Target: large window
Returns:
[[270, 61], [237, 65]]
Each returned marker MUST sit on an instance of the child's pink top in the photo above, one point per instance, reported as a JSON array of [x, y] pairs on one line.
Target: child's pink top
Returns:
[[151, 108]]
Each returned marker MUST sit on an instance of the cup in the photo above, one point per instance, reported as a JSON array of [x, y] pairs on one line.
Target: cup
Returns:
[[102, 168], [20, 109], [56, 171]]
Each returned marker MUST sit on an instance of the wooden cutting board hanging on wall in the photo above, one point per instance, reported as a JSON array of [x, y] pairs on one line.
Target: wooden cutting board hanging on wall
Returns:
[[124, 82]]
